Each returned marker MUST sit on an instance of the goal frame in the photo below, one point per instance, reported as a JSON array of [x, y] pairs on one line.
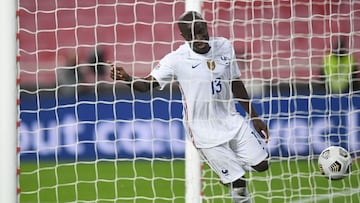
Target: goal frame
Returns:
[[139, 136], [192, 158], [8, 108]]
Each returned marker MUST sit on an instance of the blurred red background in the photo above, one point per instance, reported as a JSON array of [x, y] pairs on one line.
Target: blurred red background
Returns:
[[274, 40]]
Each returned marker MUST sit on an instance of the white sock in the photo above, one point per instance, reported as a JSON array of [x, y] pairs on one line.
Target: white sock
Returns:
[[240, 195]]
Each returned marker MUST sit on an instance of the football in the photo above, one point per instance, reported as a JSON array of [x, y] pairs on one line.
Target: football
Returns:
[[335, 162]]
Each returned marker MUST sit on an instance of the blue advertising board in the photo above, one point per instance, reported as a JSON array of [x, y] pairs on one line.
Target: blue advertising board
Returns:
[[90, 128]]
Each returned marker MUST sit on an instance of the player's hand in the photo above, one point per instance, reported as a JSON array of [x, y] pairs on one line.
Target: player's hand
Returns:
[[261, 128], [118, 73]]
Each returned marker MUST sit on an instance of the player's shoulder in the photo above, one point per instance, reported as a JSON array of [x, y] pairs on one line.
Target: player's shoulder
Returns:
[[221, 43], [220, 39], [174, 57], [179, 53]]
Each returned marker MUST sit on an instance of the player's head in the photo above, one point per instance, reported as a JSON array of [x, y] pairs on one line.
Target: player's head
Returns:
[[194, 30]]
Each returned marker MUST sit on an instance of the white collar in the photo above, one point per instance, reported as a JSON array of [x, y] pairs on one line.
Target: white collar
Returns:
[[194, 55]]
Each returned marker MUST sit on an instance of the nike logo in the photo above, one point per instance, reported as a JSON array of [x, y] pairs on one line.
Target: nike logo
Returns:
[[194, 66]]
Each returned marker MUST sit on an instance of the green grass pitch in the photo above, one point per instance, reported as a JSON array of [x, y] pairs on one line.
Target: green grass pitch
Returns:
[[142, 181]]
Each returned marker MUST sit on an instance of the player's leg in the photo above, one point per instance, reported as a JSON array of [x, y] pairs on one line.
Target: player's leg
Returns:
[[226, 165], [252, 154], [239, 191], [250, 150], [262, 166]]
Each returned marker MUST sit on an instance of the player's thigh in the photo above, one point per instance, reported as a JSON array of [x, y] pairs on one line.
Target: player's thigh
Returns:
[[224, 162], [249, 148]]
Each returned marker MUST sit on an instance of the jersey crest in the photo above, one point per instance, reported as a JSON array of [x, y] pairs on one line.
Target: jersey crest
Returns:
[[211, 65]]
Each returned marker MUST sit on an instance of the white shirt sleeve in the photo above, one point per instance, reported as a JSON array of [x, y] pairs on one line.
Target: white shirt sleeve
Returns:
[[163, 73]]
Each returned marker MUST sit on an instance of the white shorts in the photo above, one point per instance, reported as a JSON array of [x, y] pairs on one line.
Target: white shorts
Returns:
[[232, 159]]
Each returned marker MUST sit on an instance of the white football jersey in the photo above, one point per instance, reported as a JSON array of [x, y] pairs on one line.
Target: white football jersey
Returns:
[[210, 116]]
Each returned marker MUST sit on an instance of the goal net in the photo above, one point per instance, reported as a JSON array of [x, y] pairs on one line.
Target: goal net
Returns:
[[86, 138]]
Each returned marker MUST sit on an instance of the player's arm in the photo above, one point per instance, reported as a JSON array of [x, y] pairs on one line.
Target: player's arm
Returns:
[[139, 84], [241, 94]]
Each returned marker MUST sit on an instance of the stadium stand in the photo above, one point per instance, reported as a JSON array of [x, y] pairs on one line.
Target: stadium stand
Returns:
[[273, 43]]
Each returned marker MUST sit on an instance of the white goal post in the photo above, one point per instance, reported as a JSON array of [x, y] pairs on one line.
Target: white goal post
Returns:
[[8, 107], [192, 159], [85, 138]]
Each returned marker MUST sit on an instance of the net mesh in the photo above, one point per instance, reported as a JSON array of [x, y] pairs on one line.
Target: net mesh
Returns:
[[85, 138]]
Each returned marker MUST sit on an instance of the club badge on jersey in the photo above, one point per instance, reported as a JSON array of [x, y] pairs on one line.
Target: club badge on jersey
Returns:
[[211, 64]]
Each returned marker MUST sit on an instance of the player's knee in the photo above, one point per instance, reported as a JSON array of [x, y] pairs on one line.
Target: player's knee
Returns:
[[262, 166], [239, 183]]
